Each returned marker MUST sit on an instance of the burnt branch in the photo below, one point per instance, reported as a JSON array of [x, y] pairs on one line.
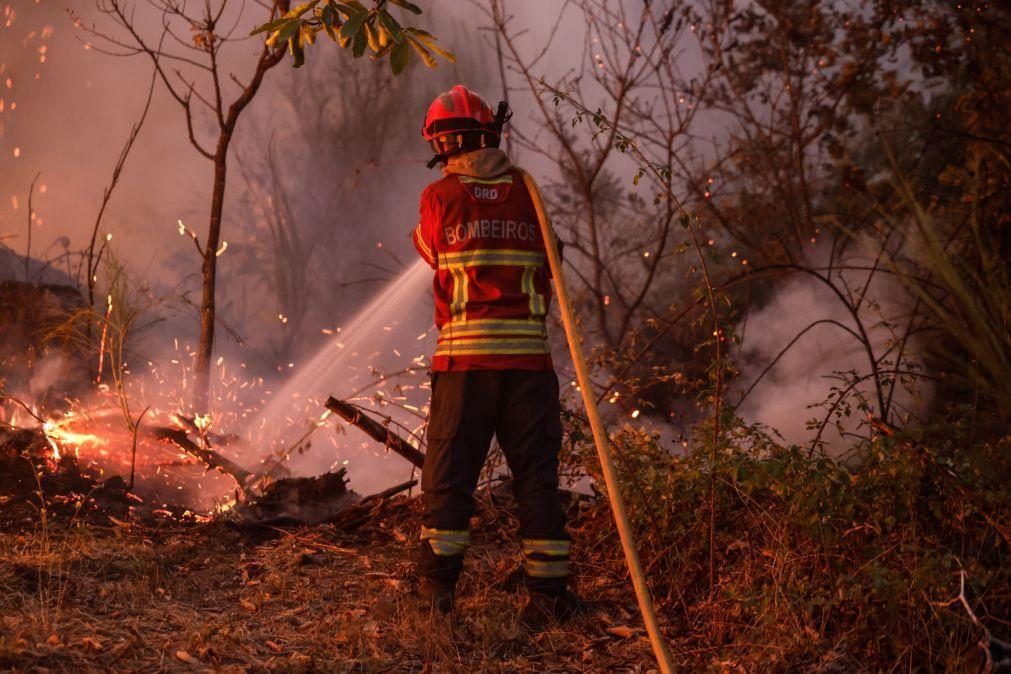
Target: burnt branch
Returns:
[[212, 459], [376, 430]]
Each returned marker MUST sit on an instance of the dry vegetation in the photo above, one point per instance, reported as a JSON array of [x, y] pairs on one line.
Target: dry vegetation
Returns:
[[845, 553], [154, 593], [820, 567]]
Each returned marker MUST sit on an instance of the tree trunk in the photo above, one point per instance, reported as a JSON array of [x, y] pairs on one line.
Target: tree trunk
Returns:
[[205, 348]]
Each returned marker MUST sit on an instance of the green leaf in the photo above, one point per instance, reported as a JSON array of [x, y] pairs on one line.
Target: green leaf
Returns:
[[269, 26], [372, 36], [384, 51], [295, 47], [346, 10], [285, 33], [353, 26], [302, 9], [359, 44], [328, 16], [391, 24], [429, 40], [444, 53], [409, 6], [399, 57]]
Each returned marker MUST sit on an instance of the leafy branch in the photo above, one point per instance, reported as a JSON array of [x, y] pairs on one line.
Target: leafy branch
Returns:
[[354, 26]]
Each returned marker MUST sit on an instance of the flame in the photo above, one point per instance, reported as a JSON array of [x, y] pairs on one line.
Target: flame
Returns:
[[59, 436], [202, 421]]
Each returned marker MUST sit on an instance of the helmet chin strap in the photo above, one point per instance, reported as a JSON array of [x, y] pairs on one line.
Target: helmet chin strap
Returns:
[[441, 157]]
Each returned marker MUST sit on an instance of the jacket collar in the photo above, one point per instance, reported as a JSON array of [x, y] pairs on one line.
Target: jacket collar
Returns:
[[489, 162]]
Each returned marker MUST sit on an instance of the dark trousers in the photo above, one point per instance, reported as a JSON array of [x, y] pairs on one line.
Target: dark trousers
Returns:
[[522, 410]]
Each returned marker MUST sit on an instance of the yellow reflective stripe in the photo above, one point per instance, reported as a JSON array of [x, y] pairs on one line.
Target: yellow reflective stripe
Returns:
[[492, 351], [458, 308], [426, 251], [553, 547], [446, 542], [527, 286], [484, 257], [542, 305], [544, 569], [486, 181], [446, 548], [471, 347], [537, 307], [461, 332], [463, 256], [491, 327], [460, 535]]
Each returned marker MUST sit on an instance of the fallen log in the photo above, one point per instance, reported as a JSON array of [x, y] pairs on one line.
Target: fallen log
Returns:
[[375, 430], [180, 438]]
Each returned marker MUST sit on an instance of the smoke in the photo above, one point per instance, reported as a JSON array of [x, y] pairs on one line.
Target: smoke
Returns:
[[324, 176], [825, 356], [323, 183], [67, 111]]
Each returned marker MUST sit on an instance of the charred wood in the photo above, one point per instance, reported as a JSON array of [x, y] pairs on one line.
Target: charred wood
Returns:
[[376, 430], [212, 459], [298, 501]]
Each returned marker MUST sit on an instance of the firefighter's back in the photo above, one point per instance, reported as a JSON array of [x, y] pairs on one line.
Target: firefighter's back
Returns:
[[492, 287]]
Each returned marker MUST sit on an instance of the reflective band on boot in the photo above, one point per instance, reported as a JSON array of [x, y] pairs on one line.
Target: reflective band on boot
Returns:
[[546, 558], [446, 542]]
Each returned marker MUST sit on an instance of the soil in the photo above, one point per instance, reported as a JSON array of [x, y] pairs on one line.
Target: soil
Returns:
[[101, 581]]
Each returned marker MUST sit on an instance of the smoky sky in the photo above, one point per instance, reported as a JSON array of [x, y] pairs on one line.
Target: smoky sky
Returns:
[[67, 109]]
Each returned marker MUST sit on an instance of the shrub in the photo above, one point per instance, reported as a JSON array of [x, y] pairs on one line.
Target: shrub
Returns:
[[818, 561]]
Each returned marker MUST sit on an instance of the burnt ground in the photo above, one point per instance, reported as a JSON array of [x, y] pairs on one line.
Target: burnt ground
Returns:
[[159, 590]]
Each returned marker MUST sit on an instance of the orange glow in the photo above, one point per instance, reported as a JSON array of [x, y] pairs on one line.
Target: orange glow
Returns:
[[61, 437]]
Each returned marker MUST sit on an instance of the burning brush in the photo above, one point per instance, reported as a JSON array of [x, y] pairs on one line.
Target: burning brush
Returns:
[[96, 443]]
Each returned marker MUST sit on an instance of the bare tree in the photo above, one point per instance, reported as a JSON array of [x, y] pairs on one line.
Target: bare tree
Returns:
[[623, 63], [190, 68], [92, 258], [784, 89]]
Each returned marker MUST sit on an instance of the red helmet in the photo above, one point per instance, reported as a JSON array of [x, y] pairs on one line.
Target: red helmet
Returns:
[[456, 111]]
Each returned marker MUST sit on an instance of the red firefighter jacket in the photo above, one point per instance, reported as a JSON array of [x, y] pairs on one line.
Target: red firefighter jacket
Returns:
[[492, 289]]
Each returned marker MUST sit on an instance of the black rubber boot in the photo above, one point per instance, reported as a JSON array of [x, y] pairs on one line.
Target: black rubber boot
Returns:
[[436, 595], [543, 609]]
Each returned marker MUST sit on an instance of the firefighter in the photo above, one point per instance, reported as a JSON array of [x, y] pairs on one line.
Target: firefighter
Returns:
[[492, 373]]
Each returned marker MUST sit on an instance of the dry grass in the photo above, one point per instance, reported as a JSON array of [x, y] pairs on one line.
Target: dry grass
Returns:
[[168, 596]]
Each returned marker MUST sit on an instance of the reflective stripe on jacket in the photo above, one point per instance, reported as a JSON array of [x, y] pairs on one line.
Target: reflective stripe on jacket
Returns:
[[492, 288]]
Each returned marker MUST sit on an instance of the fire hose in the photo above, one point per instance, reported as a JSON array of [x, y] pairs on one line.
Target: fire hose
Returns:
[[599, 433]]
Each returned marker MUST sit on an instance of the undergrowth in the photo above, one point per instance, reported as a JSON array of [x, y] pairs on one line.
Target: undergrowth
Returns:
[[822, 563]]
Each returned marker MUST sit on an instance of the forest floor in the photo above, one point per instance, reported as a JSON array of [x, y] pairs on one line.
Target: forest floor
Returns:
[[154, 590]]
